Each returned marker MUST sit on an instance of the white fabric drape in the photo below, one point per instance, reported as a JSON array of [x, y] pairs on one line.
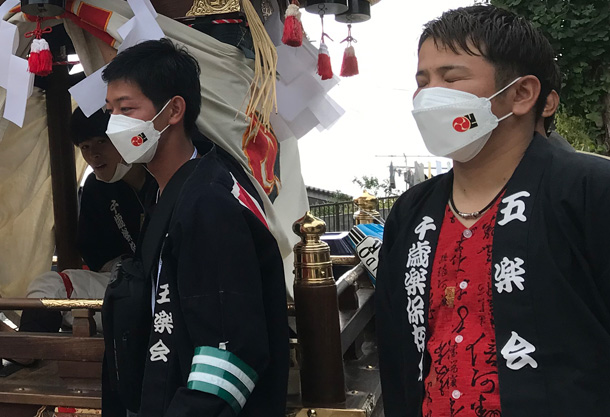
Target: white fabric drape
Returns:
[[25, 207]]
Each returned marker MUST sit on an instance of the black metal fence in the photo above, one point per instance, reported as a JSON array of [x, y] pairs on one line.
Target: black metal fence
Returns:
[[339, 217]]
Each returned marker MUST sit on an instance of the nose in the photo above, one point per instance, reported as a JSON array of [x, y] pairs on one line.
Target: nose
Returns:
[[95, 151]]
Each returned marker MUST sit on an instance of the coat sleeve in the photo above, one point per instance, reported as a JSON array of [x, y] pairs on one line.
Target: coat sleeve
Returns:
[[389, 327], [594, 215], [89, 218], [220, 291]]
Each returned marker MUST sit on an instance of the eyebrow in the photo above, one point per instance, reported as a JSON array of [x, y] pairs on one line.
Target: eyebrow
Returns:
[[443, 69], [123, 98]]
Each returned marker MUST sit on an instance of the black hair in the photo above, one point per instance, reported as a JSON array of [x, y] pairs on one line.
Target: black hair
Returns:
[[555, 82], [508, 41], [162, 70], [83, 128]]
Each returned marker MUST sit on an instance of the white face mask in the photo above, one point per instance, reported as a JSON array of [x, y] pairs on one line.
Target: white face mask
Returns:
[[119, 172], [455, 124], [135, 139]]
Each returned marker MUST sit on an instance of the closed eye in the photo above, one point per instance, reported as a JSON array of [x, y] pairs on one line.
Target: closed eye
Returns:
[[421, 81]]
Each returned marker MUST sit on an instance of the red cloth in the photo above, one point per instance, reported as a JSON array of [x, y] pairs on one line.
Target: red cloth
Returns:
[[67, 283], [463, 378]]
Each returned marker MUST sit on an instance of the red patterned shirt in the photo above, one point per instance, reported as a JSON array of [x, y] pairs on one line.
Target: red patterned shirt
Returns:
[[463, 378]]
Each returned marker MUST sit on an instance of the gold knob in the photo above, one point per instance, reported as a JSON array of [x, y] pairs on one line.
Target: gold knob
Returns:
[[309, 228]]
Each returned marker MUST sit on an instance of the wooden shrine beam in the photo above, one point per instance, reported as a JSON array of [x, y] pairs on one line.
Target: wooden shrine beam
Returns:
[[63, 168]]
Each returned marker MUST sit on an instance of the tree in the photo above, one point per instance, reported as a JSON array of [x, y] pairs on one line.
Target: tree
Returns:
[[579, 133], [373, 186], [339, 196], [580, 34]]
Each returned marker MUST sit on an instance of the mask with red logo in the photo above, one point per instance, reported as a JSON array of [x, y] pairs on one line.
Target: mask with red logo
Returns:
[[455, 124], [135, 139]]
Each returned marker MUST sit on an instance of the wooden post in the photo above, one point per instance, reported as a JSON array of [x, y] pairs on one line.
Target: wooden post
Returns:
[[83, 325], [317, 318], [63, 169]]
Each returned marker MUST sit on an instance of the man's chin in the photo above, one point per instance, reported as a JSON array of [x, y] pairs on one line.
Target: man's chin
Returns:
[[102, 175]]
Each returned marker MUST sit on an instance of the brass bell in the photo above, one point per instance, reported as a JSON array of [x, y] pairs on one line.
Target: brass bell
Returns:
[[43, 8], [358, 11], [325, 7]]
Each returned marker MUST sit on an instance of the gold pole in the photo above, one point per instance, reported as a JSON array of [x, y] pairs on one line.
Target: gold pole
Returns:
[[61, 304], [317, 317]]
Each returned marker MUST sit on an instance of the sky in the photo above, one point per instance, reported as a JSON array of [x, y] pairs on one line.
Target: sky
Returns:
[[377, 102]]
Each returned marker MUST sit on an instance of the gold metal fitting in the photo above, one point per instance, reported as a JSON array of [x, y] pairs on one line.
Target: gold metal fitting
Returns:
[[61, 304], [333, 412], [367, 208], [210, 7], [345, 260], [311, 256]]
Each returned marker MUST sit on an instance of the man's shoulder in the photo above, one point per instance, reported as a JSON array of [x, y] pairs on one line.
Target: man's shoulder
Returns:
[[97, 190], [557, 140], [209, 188], [415, 194], [210, 172], [574, 165], [92, 182]]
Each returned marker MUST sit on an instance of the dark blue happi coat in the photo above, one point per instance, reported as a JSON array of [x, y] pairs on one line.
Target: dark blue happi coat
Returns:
[[219, 338], [550, 279]]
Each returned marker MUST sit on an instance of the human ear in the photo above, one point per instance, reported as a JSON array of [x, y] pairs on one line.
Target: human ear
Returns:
[[527, 90], [177, 108], [552, 102]]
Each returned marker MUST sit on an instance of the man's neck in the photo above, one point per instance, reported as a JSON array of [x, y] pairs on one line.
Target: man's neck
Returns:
[[136, 177], [174, 150], [478, 181]]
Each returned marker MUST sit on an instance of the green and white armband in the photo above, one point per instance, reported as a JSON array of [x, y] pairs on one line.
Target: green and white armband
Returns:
[[221, 373]]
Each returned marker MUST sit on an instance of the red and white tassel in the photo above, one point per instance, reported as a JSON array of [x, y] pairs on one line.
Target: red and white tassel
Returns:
[[34, 59], [325, 70], [293, 28], [349, 67], [40, 61]]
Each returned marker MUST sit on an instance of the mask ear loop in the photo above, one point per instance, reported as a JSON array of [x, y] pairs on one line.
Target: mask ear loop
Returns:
[[505, 117], [161, 111], [500, 92], [505, 88]]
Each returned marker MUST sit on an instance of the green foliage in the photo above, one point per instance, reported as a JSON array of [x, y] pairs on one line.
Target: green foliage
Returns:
[[577, 131], [339, 196], [579, 31], [373, 185]]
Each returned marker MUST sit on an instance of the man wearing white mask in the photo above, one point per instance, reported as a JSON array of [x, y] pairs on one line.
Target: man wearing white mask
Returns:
[[113, 198], [110, 218], [216, 338], [493, 286]]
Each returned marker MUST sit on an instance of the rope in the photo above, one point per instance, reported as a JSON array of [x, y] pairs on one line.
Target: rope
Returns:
[[322, 11], [349, 38], [38, 32], [226, 21], [41, 411], [263, 97]]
